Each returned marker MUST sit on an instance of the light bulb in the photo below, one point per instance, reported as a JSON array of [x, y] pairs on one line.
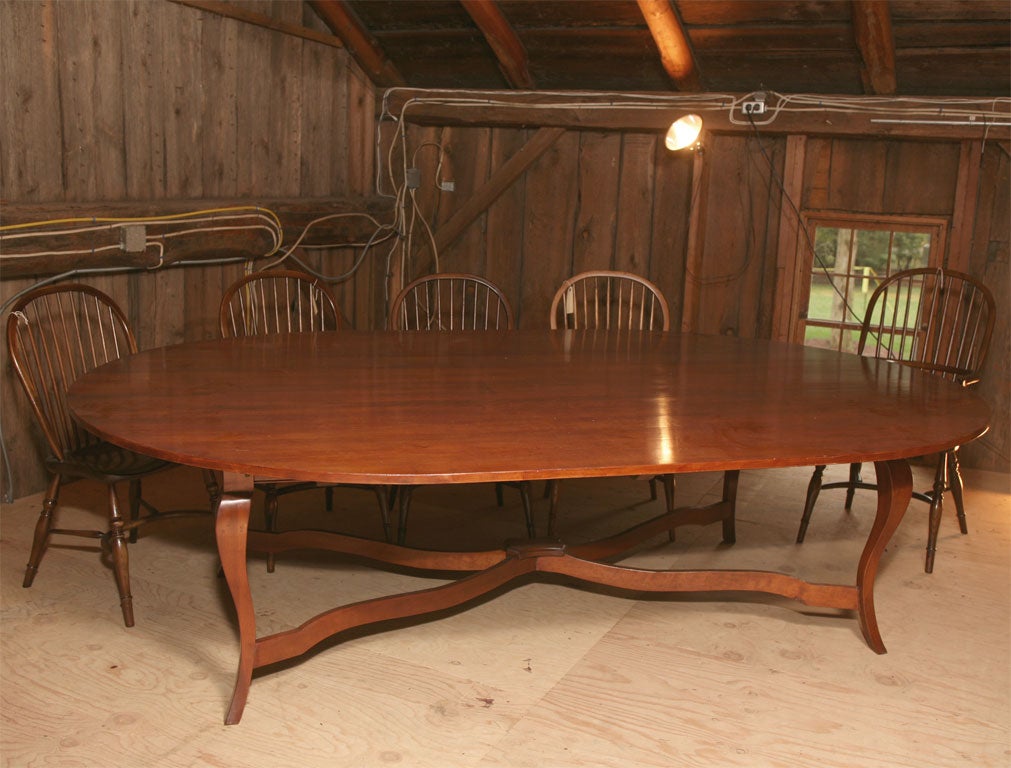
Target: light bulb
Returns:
[[683, 132]]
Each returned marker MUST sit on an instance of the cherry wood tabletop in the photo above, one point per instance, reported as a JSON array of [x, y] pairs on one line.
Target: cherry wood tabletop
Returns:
[[414, 408], [418, 408]]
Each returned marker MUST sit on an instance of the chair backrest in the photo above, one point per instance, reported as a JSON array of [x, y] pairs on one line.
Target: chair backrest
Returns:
[[55, 335], [937, 319], [450, 301], [609, 300], [278, 301]]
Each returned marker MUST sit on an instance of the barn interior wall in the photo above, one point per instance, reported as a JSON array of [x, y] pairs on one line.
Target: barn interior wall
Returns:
[[214, 108], [145, 101], [619, 200]]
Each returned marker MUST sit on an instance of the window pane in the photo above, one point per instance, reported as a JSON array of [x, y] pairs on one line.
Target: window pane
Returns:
[[849, 263], [911, 250], [872, 250], [820, 336], [821, 302]]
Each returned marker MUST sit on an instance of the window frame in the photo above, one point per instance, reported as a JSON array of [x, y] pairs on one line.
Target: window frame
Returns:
[[935, 226]]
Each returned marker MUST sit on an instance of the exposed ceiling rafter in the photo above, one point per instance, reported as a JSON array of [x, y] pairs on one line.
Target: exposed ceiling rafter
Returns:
[[509, 50], [872, 28], [365, 49], [229, 11], [670, 37]]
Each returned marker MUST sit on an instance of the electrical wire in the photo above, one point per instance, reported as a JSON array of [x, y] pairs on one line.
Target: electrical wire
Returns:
[[801, 224], [8, 496]]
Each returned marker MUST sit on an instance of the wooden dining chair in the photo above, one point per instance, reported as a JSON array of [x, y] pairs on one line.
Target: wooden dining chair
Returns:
[[450, 301], [454, 301], [937, 320], [278, 301], [55, 335], [610, 300], [287, 301]]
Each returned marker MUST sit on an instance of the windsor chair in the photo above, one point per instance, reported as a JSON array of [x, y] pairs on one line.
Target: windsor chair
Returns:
[[55, 335], [938, 320]]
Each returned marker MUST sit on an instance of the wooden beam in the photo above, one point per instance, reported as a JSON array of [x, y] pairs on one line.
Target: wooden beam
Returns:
[[230, 11], [496, 185], [695, 246], [365, 49], [294, 215], [508, 48], [791, 263], [872, 27], [963, 218], [675, 48], [585, 110]]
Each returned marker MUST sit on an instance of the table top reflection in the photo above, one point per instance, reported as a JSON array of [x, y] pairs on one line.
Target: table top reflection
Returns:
[[417, 408]]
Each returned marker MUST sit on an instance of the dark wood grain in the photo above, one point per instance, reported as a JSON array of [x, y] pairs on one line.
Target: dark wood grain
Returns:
[[419, 408], [434, 408]]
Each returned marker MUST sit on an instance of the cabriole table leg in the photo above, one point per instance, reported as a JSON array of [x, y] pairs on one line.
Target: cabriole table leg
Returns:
[[231, 530], [895, 489]]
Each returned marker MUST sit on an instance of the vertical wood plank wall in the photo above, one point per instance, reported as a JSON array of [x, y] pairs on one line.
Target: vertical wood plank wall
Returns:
[[139, 100], [621, 201]]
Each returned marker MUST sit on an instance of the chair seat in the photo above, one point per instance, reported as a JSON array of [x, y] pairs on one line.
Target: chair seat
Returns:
[[106, 463]]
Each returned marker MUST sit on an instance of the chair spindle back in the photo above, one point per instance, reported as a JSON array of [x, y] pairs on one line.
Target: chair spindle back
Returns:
[[278, 301], [940, 320], [55, 335], [609, 300], [450, 302]]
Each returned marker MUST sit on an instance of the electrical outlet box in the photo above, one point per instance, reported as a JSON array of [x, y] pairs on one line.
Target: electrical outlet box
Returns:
[[413, 178], [133, 238], [753, 107]]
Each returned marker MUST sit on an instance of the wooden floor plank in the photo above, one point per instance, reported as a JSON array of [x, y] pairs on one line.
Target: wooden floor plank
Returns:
[[538, 675]]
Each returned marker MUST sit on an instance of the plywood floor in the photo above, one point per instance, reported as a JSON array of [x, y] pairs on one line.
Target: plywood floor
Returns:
[[541, 675]]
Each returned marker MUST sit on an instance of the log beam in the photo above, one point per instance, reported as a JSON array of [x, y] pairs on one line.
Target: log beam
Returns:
[[672, 41], [504, 42], [872, 28], [585, 110], [365, 49], [230, 11], [165, 243]]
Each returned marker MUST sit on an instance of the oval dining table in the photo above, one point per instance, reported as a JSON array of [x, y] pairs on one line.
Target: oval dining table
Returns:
[[408, 409]]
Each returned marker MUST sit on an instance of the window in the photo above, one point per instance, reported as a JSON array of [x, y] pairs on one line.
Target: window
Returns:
[[851, 256]]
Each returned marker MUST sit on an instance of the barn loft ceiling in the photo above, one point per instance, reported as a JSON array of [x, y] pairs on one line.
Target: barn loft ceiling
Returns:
[[854, 47]]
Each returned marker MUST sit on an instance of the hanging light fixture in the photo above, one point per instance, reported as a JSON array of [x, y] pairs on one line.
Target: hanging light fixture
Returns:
[[683, 132]]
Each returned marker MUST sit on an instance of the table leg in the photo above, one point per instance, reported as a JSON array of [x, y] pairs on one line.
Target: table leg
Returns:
[[231, 530], [895, 489]]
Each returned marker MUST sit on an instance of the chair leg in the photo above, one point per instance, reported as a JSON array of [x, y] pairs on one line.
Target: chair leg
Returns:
[[213, 488], [120, 557], [134, 500], [528, 511], [329, 498], [813, 489], [730, 479], [652, 488], [404, 493], [955, 486], [385, 503], [936, 507], [551, 491], [854, 479], [270, 515], [42, 528], [668, 495], [498, 495]]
